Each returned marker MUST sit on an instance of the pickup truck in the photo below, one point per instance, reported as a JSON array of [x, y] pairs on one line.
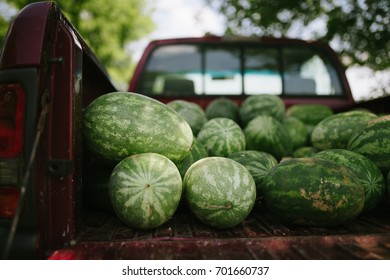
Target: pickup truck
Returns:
[[48, 75]]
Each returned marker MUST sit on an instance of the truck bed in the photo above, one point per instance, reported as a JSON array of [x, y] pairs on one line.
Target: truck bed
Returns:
[[103, 236]]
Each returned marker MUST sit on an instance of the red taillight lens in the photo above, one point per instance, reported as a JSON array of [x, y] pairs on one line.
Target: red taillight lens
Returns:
[[64, 254], [11, 119], [12, 103], [8, 201]]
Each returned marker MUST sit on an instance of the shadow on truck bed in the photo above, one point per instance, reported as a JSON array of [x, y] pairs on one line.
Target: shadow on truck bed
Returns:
[[103, 236]]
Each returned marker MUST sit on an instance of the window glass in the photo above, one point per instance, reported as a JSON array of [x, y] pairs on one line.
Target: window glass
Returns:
[[307, 72], [173, 70], [190, 69], [262, 71], [222, 71]]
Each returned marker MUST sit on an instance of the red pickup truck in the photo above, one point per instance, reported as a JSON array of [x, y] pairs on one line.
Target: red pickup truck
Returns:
[[48, 75]]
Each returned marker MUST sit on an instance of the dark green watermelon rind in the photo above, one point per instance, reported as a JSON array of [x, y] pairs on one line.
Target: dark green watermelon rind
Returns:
[[372, 140], [266, 134], [306, 151], [120, 124], [223, 108], [222, 137], [297, 132], [258, 164], [198, 151], [334, 131], [145, 190], [310, 114], [261, 105], [191, 112], [219, 191], [315, 192], [369, 175]]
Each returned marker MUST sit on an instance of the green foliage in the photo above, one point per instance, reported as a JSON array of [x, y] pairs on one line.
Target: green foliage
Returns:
[[358, 30], [107, 27], [3, 30]]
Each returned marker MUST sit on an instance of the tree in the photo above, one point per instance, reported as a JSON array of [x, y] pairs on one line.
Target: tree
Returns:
[[3, 29], [358, 30], [107, 27]]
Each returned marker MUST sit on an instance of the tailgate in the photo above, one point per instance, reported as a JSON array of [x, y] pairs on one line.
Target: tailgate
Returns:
[[258, 237]]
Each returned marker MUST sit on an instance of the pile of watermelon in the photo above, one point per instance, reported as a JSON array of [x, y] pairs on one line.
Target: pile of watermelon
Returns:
[[306, 164]]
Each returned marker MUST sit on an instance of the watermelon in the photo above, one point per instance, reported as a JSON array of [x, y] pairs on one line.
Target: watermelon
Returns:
[[310, 114], [267, 134], [222, 137], [297, 131], [309, 130], [198, 151], [369, 175], [258, 164], [334, 131], [145, 190], [120, 124], [261, 105], [222, 107], [191, 112], [313, 191], [306, 151], [219, 191], [372, 140]]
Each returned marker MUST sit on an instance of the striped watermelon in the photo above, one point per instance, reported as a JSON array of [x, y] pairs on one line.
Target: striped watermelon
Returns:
[[120, 124], [266, 134], [309, 129], [258, 164], [191, 112], [219, 191], [372, 140], [306, 151], [313, 191], [145, 190], [198, 151], [310, 114], [261, 105], [297, 131], [223, 108], [366, 171], [334, 131], [222, 137]]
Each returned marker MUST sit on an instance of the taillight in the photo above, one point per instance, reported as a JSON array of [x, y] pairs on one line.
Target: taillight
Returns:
[[65, 254], [12, 103], [8, 201], [11, 119]]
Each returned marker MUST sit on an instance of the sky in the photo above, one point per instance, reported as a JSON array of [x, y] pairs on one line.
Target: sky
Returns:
[[179, 18], [185, 17]]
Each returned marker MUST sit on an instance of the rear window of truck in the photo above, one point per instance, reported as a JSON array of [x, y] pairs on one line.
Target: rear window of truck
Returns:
[[199, 69]]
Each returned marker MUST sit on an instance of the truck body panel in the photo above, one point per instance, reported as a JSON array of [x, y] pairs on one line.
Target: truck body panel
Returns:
[[59, 75], [65, 74]]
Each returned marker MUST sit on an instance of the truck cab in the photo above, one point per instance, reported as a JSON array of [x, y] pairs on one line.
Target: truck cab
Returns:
[[201, 69]]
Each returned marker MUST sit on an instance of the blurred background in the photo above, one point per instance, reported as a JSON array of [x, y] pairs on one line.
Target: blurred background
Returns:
[[118, 30]]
